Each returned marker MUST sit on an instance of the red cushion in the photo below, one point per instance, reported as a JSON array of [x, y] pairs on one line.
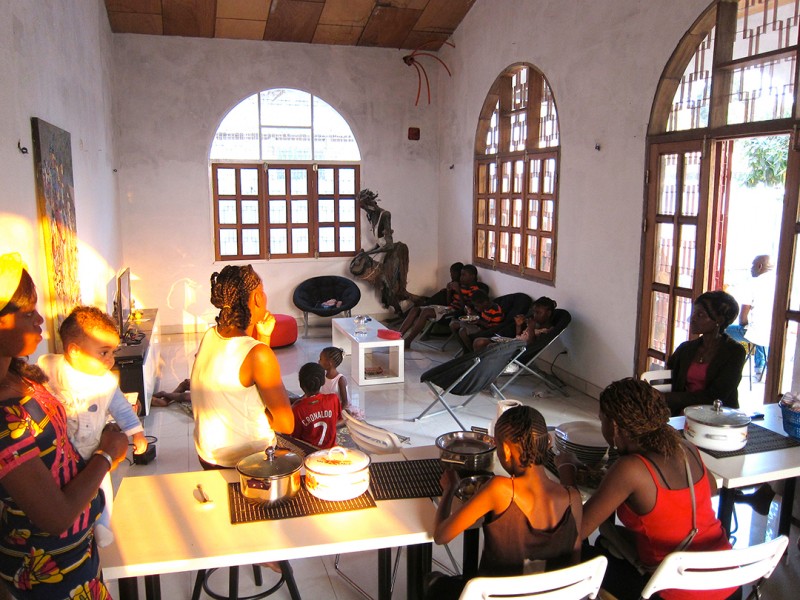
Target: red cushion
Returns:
[[389, 334], [285, 332]]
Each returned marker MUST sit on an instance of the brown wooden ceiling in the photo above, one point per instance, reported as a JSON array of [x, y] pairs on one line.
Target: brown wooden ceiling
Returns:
[[377, 23]]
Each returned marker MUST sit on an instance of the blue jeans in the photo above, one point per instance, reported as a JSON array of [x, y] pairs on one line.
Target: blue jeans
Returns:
[[738, 333]]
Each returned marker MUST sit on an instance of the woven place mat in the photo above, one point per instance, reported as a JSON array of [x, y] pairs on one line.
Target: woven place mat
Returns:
[[759, 439], [299, 447], [406, 479], [302, 505]]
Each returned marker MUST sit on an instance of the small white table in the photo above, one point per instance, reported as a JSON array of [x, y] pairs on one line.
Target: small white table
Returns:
[[360, 345]]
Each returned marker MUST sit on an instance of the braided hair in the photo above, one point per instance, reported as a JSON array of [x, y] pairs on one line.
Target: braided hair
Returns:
[[525, 427], [333, 354], [719, 305], [639, 410], [24, 296], [311, 377], [230, 292]]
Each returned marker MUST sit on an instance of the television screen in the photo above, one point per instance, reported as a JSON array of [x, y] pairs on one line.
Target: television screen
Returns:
[[123, 301]]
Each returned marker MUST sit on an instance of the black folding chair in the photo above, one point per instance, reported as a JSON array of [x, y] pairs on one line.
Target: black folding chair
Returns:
[[525, 360], [467, 375]]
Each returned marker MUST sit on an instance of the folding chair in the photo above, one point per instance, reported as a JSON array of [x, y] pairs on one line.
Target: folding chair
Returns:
[[525, 362], [572, 583], [660, 379], [717, 570], [467, 375]]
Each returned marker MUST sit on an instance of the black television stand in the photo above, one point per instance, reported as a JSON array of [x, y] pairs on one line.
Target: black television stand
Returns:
[[137, 358]]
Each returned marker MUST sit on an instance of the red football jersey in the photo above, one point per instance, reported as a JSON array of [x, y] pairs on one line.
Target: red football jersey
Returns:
[[315, 419]]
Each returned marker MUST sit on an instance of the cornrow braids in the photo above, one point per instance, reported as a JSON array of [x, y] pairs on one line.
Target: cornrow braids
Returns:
[[230, 292], [81, 321], [311, 377], [525, 427], [334, 354], [639, 410]]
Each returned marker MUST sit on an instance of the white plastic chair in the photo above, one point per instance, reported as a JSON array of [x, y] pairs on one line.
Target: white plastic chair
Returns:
[[571, 583], [663, 379], [717, 570]]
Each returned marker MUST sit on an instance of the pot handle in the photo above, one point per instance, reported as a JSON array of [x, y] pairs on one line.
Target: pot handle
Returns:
[[453, 461]]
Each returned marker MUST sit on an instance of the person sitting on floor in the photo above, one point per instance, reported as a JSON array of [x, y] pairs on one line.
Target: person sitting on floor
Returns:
[[489, 314], [315, 414]]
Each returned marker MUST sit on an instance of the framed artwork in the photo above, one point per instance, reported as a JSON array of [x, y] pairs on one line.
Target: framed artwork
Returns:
[[52, 159]]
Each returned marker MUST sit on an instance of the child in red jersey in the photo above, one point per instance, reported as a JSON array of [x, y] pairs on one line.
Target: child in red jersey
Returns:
[[315, 414]]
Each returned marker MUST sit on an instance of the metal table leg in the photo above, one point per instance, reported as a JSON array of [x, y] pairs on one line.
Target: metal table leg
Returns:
[[128, 589], [787, 503], [418, 561], [725, 510], [385, 574], [471, 541]]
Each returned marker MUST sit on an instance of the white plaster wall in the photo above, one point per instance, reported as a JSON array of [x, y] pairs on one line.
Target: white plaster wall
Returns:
[[603, 61], [55, 64], [170, 95]]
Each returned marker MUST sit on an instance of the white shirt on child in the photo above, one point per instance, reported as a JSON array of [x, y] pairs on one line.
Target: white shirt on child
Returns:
[[331, 386], [88, 401]]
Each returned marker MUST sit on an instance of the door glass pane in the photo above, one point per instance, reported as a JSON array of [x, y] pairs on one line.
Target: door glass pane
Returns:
[[516, 220], [492, 212], [347, 211], [327, 239], [481, 211], [249, 182], [276, 182], [683, 312], [546, 256], [251, 242], [790, 377], [300, 241], [481, 244], [285, 143], [533, 182], [504, 247], [482, 174], [686, 256], [227, 212], [519, 174], [532, 259], [228, 245], [533, 214], [794, 289], [662, 269], [278, 241], [299, 182], [505, 212], [491, 245], [347, 239], [505, 186], [691, 184], [547, 215], [249, 212], [549, 176], [299, 211], [277, 211], [226, 182], [325, 181], [492, 178], [347, 182], [658, 323], [326, 212], [667, 183], [516, 248]]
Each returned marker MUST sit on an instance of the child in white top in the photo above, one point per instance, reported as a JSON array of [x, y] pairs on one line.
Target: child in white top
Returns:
[[81, 379], [335, 382]]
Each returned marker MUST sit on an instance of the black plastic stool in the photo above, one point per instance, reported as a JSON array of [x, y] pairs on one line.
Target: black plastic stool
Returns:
[[287, 576]]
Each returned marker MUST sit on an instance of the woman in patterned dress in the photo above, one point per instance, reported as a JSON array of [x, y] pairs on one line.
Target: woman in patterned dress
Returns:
[[49, 495]]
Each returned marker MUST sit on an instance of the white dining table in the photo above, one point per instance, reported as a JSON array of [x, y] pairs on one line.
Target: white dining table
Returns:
[[161, 525], [747, 470]]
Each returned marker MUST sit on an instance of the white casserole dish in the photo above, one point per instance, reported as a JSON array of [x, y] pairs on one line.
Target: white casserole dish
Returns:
[[716, 427], [337, 474]]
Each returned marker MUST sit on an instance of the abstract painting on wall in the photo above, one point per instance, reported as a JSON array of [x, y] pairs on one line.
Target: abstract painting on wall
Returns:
[[52, 155]]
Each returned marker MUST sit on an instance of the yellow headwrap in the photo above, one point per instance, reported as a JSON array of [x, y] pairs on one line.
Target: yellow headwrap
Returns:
[[11, 267]]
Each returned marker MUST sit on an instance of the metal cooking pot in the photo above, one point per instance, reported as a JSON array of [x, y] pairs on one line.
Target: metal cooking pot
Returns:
[[716, 427], [269, 477], [471, 451], [337, 474]]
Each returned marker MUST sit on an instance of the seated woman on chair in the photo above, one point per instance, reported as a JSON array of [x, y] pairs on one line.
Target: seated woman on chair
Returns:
[[648, 488], [709, 367]]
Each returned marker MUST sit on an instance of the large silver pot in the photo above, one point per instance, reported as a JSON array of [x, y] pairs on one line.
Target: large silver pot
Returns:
[[469, 451], [337, 474], [269, 477], [716, 427]]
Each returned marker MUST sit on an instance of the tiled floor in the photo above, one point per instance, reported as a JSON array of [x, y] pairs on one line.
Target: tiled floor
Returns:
[[393, 407]]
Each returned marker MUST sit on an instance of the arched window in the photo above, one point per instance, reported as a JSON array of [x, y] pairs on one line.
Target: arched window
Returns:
[[722, 139], [285, 174], [516, 176]]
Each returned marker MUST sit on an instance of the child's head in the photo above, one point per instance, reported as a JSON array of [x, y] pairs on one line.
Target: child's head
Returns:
[[480, 300], [312, 377], [455, 271], [521, 433], [542, 310], [89, 337], [331, 357], [469, 274]]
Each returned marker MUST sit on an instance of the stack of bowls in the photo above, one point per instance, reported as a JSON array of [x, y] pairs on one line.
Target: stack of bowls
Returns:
[[584, 439]]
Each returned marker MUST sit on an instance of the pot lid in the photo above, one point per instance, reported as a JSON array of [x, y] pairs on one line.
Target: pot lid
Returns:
[[716, 415], [270, 464], [337, 460]]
